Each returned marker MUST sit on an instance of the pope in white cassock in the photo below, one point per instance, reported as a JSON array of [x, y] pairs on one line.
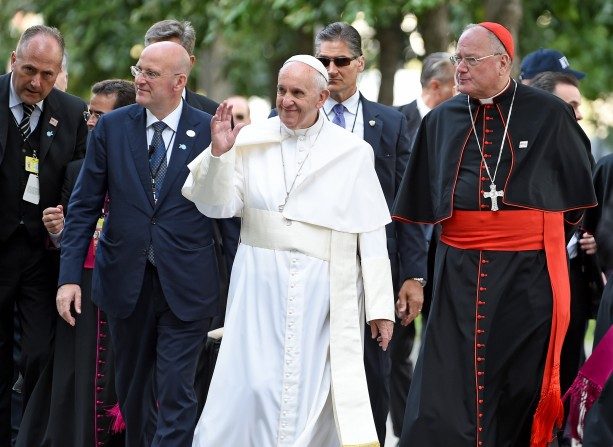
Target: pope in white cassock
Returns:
[[312, 267]]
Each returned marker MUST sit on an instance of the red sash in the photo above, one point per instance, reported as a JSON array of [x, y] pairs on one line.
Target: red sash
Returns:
[[520, 231]]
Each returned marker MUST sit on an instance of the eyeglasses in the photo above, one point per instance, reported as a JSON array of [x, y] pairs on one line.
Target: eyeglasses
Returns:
[[87, 115], [341, 61], [150, 75], [471, 61]]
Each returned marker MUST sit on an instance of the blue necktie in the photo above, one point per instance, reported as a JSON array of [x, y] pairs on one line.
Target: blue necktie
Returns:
[[157, 168], [339, 115]]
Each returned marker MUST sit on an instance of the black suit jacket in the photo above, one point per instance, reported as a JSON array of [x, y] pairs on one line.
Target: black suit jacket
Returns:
[[411, 113], [385, 129], [201, 102], [62, 139]]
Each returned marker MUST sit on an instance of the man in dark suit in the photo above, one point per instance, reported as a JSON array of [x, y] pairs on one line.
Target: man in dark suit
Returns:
[[156, 274], [339, 48], [41, 130], [226, 230], [437, 85]]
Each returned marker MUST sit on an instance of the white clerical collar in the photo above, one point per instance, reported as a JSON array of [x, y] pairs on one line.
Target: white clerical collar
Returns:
[[309, 132], [351, 103], [171, 120], [491, 100], [422, 108], [15, 100]]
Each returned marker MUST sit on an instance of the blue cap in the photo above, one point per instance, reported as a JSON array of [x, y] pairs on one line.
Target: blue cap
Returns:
[[546, 60]]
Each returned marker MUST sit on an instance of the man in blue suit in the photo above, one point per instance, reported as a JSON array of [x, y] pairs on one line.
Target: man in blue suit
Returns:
[[156, 276], [339, 47]]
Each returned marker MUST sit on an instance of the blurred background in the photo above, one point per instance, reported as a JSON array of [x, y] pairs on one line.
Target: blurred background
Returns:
[[242, 43]]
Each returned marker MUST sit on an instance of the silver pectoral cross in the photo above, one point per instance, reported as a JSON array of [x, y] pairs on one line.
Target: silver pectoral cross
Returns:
[[493, 196]]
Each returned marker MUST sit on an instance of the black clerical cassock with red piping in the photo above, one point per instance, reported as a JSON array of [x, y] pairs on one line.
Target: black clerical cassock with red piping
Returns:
[[488, 371]]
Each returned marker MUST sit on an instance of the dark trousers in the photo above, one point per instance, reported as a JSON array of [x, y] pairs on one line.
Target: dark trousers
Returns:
[[401, 373], [377, 366], [28, 282], [155, 358]]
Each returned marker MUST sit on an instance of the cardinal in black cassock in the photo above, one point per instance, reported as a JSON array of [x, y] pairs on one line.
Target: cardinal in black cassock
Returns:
[[503, 172]]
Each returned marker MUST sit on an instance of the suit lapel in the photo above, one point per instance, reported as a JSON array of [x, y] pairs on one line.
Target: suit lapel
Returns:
[[4, 104], [373, 126], [49, 123], [182, 147], [137, 136]]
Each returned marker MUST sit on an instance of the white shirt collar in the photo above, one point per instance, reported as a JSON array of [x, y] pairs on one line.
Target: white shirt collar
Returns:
[[422, 108], [171, 120], [351, 103], [15, 100], [491, 100]]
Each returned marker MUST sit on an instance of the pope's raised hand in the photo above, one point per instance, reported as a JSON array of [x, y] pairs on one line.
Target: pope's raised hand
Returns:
[[223, 135]]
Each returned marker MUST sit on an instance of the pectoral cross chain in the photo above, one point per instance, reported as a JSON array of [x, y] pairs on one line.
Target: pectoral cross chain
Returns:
[[493, 196]]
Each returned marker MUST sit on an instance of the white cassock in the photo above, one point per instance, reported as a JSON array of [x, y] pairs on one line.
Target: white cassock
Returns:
[[290, 369]]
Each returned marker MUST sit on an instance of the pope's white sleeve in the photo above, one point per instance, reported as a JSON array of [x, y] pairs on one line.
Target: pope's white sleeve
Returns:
[[377, 275], [215, 184]]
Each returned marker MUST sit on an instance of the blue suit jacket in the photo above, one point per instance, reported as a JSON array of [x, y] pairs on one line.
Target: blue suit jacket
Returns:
[[116, 161], [385, 130]]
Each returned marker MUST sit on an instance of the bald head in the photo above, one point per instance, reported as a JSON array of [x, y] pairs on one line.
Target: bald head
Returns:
[[240, 109], [164, 68], [176, 56]]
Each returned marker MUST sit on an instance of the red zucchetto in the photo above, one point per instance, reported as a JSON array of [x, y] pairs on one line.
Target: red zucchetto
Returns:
[[503, 35]]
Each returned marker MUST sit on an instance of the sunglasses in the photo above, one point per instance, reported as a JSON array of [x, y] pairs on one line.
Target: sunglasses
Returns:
[[342, 61]]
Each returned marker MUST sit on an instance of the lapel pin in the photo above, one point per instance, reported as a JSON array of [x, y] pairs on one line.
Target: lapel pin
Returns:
[[53, 122], [49, 133], [190, 133], [523, 144], [182, 146], [372, 123]]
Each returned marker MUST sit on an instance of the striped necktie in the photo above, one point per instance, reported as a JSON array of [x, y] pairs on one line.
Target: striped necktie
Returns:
[[24, 125]]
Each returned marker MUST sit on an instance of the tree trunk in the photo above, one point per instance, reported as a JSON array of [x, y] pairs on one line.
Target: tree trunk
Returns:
[[433, 25], [390, 38], [212, 80]]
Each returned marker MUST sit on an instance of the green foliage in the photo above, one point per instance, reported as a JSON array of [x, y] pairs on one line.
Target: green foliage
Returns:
[[259, 34], [581, 30]]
